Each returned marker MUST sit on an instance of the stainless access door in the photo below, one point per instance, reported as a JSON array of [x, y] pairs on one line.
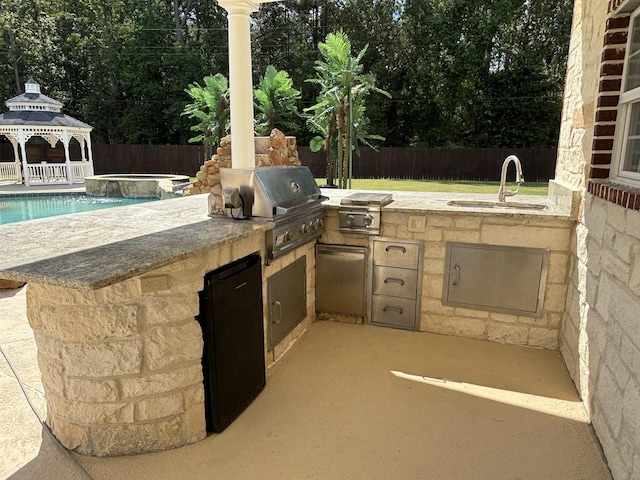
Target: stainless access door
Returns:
[[287, 292], [496, 278], [340, 279]]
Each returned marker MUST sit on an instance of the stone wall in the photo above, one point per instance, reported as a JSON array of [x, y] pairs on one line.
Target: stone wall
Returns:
[[600, 339], [495, 230], [122, 369], [580, 98], [600, 335]]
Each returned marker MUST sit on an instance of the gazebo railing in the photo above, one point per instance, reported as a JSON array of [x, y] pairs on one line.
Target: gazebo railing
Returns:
[[10, 171], [55, 173], [80, 170]]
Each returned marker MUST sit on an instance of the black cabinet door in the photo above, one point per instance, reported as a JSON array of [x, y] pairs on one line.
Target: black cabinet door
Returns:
[[234, 340]]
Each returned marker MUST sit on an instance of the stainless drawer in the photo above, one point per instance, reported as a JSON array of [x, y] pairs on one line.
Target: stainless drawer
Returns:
[[396, 254], [394, 312], [396, 282]]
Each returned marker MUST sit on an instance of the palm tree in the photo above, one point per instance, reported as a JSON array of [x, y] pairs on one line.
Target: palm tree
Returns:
[[275, 103], [339, 115], [210, 108]]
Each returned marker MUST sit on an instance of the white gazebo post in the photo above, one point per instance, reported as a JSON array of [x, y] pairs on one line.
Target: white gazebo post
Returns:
[[16, 156], [65, 137], [240, 80], [90, 159], [22, 138]]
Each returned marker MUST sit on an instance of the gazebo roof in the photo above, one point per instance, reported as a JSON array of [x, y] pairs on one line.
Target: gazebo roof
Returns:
[[40, 119], [34, 109], [32, 98]]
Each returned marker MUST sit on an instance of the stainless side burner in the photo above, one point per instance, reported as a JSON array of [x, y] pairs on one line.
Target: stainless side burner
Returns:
[[360, 212]]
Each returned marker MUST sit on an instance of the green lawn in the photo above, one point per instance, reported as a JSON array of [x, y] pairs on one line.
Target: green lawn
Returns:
[[460, 186]]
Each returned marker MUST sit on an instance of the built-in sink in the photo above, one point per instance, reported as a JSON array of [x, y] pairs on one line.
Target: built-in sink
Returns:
[[497, 204]]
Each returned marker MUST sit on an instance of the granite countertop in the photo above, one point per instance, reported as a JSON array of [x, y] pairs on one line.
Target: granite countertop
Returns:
[[99, 248], [438, 202]]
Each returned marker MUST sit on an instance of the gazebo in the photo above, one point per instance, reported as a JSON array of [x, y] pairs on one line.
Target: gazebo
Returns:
[[33, 114]]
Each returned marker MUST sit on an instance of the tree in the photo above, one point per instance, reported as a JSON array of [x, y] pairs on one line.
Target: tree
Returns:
[[275, 103], [461, 51], [210, 107], [339, 114]]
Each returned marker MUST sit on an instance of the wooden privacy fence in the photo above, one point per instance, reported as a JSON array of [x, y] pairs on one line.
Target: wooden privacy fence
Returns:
[[174, 159], [482, 164]]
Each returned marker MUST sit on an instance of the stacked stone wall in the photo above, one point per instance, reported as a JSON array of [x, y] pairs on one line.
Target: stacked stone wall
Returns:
[[276, 149]]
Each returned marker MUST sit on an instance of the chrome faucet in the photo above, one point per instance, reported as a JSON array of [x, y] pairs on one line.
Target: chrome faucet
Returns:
[[503, 192]]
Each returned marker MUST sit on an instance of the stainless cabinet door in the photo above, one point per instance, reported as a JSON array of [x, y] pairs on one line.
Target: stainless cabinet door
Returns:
[[287, 292], [497, 278], [340, 279]]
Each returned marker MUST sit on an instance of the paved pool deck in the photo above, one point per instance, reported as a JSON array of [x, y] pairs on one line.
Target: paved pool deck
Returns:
[[346, 402]]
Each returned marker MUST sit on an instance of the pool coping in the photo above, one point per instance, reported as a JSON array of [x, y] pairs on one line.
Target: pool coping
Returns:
[[19, 189]]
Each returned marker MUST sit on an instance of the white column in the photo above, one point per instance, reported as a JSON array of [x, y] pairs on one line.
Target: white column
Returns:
[[90, 153], [67, 160], [16, 155], [83, 146], [243, 151], [22, 138]]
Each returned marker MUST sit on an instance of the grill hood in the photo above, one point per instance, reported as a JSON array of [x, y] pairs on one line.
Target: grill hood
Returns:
[[273, 191]]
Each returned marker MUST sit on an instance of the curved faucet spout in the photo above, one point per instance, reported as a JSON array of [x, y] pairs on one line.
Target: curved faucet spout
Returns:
[[503, 192]]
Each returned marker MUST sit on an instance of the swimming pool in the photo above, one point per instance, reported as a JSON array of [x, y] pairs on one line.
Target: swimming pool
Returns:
[[17, 208]]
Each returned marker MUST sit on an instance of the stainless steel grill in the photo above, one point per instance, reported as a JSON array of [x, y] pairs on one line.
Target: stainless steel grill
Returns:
[[288, 195]]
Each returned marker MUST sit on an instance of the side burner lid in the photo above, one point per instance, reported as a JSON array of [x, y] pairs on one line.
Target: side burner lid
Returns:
[[367, 198]]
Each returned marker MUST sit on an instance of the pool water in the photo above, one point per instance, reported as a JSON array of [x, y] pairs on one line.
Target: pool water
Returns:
[[17, 208]]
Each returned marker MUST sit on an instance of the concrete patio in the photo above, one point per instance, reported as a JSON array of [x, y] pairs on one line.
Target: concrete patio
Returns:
[[348, 401]]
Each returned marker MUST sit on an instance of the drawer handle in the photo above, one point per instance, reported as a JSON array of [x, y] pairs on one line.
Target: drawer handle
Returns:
[[279, 305], [393, 309], [394, 280], [456, 279], [395, 247]]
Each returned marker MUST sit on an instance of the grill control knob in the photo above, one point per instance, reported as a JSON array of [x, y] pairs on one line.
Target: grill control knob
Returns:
[[320, 222], [305, 228], [367, 220], [350, 220], [287, 236]]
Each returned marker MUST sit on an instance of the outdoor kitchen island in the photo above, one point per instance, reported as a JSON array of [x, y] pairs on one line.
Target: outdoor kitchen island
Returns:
[[122, 368]]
